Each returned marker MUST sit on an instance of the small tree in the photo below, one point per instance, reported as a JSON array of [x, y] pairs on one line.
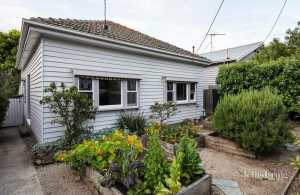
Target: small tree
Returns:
[[163, 111], [73, 110]]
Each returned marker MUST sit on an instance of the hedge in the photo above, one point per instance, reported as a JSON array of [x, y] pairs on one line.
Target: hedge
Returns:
[[254, 119], [282, 75]]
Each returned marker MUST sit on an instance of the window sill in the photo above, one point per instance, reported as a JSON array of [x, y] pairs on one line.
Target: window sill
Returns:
[[185, 102], [117, 109]]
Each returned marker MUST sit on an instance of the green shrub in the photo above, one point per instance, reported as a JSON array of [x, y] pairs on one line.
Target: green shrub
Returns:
[[155, 163], [3, 108], [48, 147], [73, 110], [282, 75], [134, 122], [254, 119], [173, 133], [163, 111], [191, 168]]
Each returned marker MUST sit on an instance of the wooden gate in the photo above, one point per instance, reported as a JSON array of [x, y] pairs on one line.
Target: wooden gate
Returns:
[[14, 114]]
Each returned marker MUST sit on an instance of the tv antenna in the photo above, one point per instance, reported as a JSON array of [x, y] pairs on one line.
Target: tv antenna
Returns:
[[104, 12], [211, 38]]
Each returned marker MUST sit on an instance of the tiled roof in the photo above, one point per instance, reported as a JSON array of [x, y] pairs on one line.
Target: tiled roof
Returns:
[[115, 31], [232, 54]]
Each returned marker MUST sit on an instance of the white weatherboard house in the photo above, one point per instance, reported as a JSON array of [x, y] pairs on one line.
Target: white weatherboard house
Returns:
[[122, 69], [227, 56]]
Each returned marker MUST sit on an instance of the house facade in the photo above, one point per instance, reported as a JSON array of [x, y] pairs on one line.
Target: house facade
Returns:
[[119, 68], [227, 56]]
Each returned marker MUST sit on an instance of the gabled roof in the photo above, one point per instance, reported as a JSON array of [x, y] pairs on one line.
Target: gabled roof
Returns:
[[232, 54], [114, 31]]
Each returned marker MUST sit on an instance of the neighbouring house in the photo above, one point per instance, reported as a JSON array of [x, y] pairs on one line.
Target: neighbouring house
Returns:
[[120, 68], [227, 56]]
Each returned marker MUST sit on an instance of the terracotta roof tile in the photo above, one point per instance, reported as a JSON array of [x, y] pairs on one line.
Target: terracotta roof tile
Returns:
[[116, 31]]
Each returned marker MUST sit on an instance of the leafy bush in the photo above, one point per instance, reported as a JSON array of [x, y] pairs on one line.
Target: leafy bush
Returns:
[[155, 163], [3, 107], [191, 168], [282, 75], [173, 133], [163, 111], [134, 122], [100, 153], [43, 149], [73, 110], [254, 119], [185, 168]]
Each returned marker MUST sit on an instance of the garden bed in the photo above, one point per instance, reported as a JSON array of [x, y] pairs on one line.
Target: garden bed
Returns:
[[218, 143], [93, 178]]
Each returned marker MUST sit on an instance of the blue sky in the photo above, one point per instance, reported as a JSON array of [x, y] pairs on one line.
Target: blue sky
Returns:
[[179, 22]]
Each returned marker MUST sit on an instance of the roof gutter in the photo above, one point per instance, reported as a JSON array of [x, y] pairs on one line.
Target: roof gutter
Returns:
[[48, 29]]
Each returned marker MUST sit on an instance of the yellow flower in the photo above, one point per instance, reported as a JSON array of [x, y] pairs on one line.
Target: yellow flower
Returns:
[[130, 139]]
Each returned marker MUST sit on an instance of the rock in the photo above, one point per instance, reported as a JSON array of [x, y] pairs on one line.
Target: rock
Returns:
[[77, 179]]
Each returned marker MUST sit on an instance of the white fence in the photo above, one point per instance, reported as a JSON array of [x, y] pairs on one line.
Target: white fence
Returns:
[[14, 114]]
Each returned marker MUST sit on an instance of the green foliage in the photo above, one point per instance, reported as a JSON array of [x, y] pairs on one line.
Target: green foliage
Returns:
[[185, 168], [3, 107], [191, 168], [10, 76], [48, 147], [155, 163], [73, 110], [172, 182], [101, 153], [135, 122], [276, 49], [173, 133], [254, 119], [8, 49], [282, 75], [163, 111]]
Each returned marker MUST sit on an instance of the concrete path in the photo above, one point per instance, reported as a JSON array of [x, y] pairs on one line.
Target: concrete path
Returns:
[[17, 174]]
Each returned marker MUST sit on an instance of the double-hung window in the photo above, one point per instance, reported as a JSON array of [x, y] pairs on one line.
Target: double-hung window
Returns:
[[85, 86], [181, 92], [132, 92], [110, 93]]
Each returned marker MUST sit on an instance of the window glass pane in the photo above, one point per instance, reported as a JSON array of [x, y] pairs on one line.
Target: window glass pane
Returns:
[[131, 85], [193, 87], [180, 91], [169, 96], [85, 84], [170, 86], [109, 92], [192, 92], [131, 99], [192, 96]]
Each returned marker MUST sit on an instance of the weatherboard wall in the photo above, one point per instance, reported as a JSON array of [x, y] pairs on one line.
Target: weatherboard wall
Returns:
[[60, 58], [34, 68]]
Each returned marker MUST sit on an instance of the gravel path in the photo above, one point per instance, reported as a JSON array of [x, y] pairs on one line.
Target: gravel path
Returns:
[[58, 179], [254, 176]]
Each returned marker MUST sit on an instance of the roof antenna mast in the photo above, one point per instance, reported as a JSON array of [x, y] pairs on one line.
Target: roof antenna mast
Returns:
[[211, 39], [104, 12], [105, 26]]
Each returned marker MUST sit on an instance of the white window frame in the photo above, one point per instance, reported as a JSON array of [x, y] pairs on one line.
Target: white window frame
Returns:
[[124, 91], [86, 91], [112, 107], [195, 92], [188, 92], [132, 91], [173, 91]]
